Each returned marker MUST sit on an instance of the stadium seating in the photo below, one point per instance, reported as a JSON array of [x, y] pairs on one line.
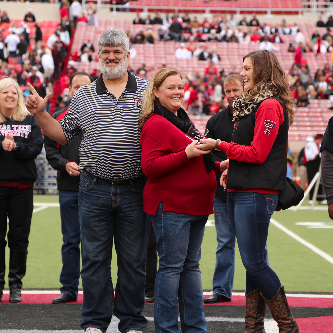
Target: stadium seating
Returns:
[[309, 120], [274, 6]]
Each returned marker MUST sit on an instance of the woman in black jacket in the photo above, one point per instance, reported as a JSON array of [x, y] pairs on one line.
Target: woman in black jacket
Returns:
[[21, 142], [256, 175]]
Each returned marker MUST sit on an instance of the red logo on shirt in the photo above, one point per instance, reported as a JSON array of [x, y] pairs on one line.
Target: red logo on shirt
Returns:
[[269, 124], [137, 102]]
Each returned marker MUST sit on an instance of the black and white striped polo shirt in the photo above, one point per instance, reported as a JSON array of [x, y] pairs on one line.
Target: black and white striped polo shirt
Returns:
[[110, 147]]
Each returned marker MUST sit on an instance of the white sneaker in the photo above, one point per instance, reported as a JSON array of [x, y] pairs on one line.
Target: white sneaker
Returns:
[[93, 330], [323, 202], [310, 202]]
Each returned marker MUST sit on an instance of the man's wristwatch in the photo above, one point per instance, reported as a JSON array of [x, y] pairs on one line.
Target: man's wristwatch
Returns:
[[217, 144]]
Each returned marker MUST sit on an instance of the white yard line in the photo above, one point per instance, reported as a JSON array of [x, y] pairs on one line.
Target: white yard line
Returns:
[[206, 293], [46, 204], [302, 241]]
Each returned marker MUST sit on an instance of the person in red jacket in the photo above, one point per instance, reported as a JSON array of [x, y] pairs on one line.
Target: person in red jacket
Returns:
[[257, 173], [178, 196]]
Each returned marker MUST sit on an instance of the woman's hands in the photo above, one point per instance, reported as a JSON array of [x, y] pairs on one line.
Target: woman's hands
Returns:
[[193, 151], [207, 144], [224, 165], [8, 143], [224, 178]]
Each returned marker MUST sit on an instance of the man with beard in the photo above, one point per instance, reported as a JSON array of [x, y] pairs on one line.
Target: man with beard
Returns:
[[106, 111]]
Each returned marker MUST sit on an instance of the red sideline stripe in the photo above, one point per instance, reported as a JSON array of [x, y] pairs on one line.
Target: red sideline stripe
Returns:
[[235, 301], [316, 324], [39, 299], [307, 302]]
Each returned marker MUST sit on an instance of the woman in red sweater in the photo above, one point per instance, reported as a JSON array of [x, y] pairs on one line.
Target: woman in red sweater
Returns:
[[256, 175], [178, 196]]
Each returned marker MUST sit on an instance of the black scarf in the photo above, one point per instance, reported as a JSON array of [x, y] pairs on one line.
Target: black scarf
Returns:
[[183, 122]]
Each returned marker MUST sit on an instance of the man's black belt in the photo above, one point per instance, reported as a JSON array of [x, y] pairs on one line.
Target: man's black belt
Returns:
[[114, 182]]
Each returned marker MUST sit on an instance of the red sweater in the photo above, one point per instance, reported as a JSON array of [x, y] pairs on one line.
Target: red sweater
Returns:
[[182, 184]]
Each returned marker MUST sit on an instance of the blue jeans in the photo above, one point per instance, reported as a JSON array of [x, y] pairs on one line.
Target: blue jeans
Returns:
[[225, 253], [108, 211], [179, 239], [70, 251], [250, 214]]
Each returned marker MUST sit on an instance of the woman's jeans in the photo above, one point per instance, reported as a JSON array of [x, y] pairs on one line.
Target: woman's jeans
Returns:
[[250, 214], [179, 239]]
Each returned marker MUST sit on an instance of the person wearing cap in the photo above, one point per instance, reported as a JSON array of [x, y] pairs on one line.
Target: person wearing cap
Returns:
[[71, 66], [326, 150], [312, 159], [11, 42], [29, 16], [182, 52], [47, 63]]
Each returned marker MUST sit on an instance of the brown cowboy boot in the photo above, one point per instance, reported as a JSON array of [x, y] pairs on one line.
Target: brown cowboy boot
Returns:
[[255, 312], [281, 312]]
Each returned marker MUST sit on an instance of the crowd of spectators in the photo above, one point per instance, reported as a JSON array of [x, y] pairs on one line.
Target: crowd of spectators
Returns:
[[220, 29], [40, 62]]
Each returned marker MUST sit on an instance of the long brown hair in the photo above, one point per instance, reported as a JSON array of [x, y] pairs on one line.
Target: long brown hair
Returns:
[[149, 98], [267, 69]]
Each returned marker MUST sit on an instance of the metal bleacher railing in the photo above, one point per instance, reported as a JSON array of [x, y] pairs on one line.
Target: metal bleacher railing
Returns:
[[267, 7]]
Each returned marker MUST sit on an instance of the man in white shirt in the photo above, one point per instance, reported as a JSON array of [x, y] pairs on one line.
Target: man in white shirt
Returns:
[[48, 64], [75, 11], [52, 39], [232, 22], [299, 38], [11, 42], [267, 45], [182, 52], [312, 158]]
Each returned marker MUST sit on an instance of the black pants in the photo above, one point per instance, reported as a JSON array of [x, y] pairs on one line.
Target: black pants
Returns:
[[312, 168], [17, 205]]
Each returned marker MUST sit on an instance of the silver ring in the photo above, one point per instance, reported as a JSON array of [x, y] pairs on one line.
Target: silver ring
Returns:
[[70, 172]]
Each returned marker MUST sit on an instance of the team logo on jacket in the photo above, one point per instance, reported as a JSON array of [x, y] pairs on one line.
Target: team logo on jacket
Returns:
[[269, 124]]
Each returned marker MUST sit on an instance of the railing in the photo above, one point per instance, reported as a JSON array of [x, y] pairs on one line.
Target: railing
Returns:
[[207, 10], [318, 7]]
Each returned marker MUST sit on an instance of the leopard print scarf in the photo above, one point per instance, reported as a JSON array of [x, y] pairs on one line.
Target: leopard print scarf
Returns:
[[243, 106]]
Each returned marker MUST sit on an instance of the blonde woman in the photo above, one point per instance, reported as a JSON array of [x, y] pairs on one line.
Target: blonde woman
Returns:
[[92, 15], [21, 142], [178, 196]]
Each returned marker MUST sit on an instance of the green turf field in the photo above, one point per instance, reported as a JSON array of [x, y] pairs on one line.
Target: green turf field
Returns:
[[299, 267]]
